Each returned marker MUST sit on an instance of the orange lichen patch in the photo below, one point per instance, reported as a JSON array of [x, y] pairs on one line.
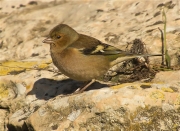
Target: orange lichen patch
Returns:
[[157, 95], [165, 89], [15, 67]]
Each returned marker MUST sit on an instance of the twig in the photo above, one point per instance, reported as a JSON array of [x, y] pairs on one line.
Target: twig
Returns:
[[167, 57], [162, 39]]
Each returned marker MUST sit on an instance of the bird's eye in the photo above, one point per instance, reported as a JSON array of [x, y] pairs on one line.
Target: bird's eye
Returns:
[[58, 37]]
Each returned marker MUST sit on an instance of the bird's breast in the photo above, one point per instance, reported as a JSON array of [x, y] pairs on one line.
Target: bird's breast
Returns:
[[79, 66]]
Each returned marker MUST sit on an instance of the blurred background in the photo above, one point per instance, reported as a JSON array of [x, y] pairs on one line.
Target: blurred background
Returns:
[[25, 23]]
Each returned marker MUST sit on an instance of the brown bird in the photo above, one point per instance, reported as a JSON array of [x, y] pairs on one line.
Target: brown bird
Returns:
[[82, 57]]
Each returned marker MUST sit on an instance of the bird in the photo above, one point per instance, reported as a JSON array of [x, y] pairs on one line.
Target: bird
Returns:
[[82, 57]]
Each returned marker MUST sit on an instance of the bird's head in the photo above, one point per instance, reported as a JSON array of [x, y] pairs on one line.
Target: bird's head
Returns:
[[61, 36]]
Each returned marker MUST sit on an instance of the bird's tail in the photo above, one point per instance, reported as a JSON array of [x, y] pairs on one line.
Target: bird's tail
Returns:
[[128, 56]]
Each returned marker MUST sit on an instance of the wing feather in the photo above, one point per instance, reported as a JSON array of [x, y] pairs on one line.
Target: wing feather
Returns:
[[91, 46]]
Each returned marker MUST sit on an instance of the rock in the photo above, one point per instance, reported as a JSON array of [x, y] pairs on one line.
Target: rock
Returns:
[[167, 77], [3, 119], [34, 95], [111, 109]]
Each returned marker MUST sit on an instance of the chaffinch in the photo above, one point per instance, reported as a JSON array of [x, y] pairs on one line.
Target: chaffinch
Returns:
[[82, 57]]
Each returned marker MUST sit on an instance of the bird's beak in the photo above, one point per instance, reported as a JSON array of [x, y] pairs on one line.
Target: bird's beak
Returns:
[[48, 41]]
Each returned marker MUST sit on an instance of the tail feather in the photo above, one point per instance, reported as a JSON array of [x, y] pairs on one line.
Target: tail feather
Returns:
[[131, 56]]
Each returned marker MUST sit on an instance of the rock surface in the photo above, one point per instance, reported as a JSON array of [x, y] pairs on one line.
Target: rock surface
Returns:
[[33, 94]]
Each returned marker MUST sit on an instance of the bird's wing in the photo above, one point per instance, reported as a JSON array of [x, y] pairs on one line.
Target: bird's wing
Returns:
[[91, 46]]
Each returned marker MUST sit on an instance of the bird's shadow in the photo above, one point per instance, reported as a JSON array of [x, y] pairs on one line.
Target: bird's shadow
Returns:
[[48, 88]]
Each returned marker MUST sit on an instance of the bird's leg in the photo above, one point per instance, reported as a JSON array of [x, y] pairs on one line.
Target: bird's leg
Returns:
[[85, 87]]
